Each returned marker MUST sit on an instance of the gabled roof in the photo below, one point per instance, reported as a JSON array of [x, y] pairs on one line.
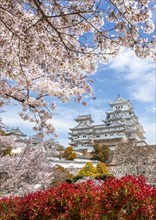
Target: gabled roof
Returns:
[[79, 127], [15, 131], [120, 100], [84, 117]]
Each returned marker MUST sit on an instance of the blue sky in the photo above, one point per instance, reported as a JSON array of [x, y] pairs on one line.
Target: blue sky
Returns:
[[131, 77]]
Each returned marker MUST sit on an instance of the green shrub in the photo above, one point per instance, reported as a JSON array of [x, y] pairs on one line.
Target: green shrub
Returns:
[[69, 153], [88, 170], [103, 177], [102, 169]]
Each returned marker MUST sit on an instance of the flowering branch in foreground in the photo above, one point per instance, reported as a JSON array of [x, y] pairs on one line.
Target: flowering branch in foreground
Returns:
[[48, 48]]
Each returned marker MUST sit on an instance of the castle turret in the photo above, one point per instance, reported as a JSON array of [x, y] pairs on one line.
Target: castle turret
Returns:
[[123, 116], [82, 134]]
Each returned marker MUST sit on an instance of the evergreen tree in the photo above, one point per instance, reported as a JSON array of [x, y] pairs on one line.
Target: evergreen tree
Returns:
[[102, 169], [69, 153], [100, 152]]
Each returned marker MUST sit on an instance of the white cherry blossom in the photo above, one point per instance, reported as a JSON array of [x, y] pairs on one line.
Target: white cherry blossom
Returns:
[[49, 48]]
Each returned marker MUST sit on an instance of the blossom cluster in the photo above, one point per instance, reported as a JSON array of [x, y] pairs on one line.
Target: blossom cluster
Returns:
[[28, 168], [126, 198], [48, 48]]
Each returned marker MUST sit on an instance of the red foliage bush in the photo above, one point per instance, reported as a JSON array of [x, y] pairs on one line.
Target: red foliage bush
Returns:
[[128, 198], [9, 208]]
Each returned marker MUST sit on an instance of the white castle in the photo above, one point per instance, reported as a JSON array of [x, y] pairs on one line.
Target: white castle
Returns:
[[121, 125]]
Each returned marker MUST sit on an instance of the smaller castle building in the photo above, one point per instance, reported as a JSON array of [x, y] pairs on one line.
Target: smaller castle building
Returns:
[[16, 134], [120, 125]]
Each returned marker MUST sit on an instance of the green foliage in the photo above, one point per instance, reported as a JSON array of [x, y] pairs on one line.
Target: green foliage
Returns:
[[90, 170], [60, 147], [87, 170], [2, 132], [100, 152], [69, 180], [5, 149], [103, 177], [77, 177], [69, 153], [102, 169], [103, 172]]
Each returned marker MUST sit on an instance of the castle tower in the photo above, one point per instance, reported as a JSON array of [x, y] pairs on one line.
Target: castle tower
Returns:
[[122, 122], [121, 125], [82, 134]]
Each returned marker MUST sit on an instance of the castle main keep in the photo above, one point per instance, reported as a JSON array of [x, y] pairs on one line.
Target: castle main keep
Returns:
[[120, 125]]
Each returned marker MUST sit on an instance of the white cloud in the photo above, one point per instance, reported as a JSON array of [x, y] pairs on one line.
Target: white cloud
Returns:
[[62, 121], [97, 102], [62, 124], [15, 121], [97, 114], [151, 109], [11, 119], [150, 132], [145, 91], [138, 72]]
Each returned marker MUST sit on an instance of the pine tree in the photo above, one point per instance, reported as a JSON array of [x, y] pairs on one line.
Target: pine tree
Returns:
[[69, 153], [100, 152]]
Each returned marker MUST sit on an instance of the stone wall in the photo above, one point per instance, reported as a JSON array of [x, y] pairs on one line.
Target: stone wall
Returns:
[[135, 160]]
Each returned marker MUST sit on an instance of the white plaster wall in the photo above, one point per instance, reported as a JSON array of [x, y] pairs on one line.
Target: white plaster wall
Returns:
[[72, 164]]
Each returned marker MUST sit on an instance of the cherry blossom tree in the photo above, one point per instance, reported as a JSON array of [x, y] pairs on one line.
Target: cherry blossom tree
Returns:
[[48, 48], [6, 142], [27, 169]]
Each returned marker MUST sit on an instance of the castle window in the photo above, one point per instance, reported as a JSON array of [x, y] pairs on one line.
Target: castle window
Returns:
[[97, 136], [111, 134], [84, 136], [105, 135]]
